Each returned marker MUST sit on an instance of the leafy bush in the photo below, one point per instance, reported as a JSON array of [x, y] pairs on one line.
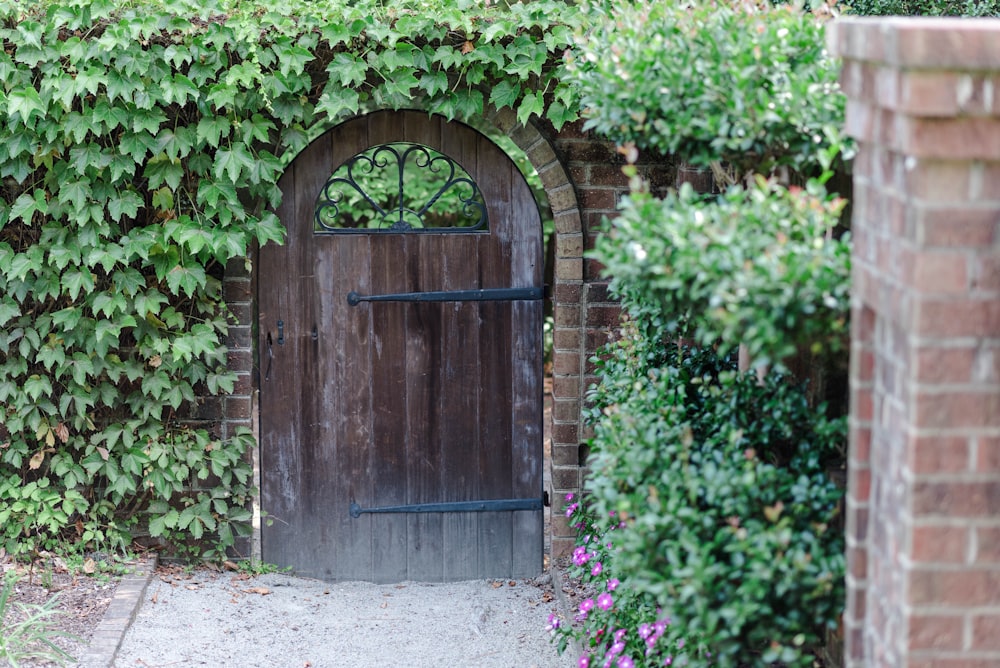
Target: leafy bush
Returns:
[[729, 518], [924, 7], [757, 266], [140, 152], [748, 85], [617, 624]]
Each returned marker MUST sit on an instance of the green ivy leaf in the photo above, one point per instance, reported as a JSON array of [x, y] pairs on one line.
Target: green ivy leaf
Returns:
[[335, 102], [26, 103], [531, 104], [505, 94]]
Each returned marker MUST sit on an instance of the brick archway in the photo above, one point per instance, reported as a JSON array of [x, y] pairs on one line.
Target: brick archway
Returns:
[[583, 181]]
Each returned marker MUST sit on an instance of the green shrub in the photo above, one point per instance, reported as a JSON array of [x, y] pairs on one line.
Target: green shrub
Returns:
[[757, 266], [924, 7], [737, 83], [730, 516], [615, 623]]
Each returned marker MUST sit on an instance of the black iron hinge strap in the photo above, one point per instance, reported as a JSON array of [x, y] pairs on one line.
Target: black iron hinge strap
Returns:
[[482, 295], [453, 507]]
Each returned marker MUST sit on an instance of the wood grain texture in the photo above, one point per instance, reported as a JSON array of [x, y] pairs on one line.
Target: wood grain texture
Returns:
[[401, 403]]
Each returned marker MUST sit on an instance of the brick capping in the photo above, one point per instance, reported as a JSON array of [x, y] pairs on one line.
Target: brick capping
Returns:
[[923, 501]]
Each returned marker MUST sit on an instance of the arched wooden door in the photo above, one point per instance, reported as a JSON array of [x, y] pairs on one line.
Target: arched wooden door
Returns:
[[401, 427]]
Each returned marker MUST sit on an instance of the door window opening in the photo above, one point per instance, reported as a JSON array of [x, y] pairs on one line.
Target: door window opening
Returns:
[[400, 187]]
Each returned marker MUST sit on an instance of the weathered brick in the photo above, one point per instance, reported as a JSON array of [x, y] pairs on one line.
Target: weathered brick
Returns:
[[569, 245], [566, 339], [562, 199], [565, 363], [567, 222], [987, 542], [567, 315], [603, 316], [565, 478], [567, 293], [939, 544], [236, 290], [566, 433], [237, 408], [566, 386], [598, 199], [985, 632], [566, 411], [565, 454], [569, 269], [936, 632], [955, 498]]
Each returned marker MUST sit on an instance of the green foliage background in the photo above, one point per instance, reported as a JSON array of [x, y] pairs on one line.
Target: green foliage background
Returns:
[[140, 148], [725, 515]]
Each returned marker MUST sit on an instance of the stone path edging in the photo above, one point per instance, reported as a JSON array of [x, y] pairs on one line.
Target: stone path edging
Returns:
[[108, 635], [567, 609]]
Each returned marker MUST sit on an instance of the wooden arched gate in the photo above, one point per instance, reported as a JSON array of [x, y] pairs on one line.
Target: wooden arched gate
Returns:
[[400, 338]]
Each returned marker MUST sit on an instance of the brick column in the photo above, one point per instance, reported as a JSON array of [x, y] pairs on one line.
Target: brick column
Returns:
[[923, 507]]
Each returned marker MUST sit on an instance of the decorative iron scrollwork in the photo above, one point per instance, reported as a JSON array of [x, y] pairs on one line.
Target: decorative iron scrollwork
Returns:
[[400, 187]]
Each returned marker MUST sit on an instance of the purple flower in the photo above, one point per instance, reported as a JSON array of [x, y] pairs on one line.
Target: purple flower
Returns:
[[667, 661], [571, 508], [553, 622], [586, 605], [580, 556], [680, 644], [625, 662], [584, 662], [596, 570], [660, 627], [645, 630], [605, 602], [613, 584], [617, 648], [569, 497]]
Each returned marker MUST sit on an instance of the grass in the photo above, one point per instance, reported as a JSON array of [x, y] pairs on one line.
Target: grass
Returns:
[[27, 630]]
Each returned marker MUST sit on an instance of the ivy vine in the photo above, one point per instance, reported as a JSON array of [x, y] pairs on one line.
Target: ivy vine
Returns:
[[140, 148]]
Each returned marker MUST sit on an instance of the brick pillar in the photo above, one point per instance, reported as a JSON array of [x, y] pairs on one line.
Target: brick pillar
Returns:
[[923, 506], [237, 407]]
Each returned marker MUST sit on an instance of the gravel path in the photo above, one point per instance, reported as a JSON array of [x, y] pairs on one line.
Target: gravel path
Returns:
[[224, 619]]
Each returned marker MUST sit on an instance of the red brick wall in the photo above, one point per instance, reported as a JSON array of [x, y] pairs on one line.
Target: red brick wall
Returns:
[[923, 508]]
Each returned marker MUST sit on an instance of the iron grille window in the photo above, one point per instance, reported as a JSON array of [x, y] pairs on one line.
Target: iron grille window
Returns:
[[400, 187]]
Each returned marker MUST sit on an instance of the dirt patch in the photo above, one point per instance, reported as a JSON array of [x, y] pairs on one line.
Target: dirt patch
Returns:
[[80, 600]]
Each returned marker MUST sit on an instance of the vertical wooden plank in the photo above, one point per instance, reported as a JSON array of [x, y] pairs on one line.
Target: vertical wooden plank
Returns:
[[346, 343], [460, 398], [279, 463], [389, 353], [495, 528], [423, 380], [388, 388], [289, 425], [526, 380]]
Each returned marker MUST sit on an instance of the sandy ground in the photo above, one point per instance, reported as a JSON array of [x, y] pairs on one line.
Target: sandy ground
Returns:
[[224, 619]]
